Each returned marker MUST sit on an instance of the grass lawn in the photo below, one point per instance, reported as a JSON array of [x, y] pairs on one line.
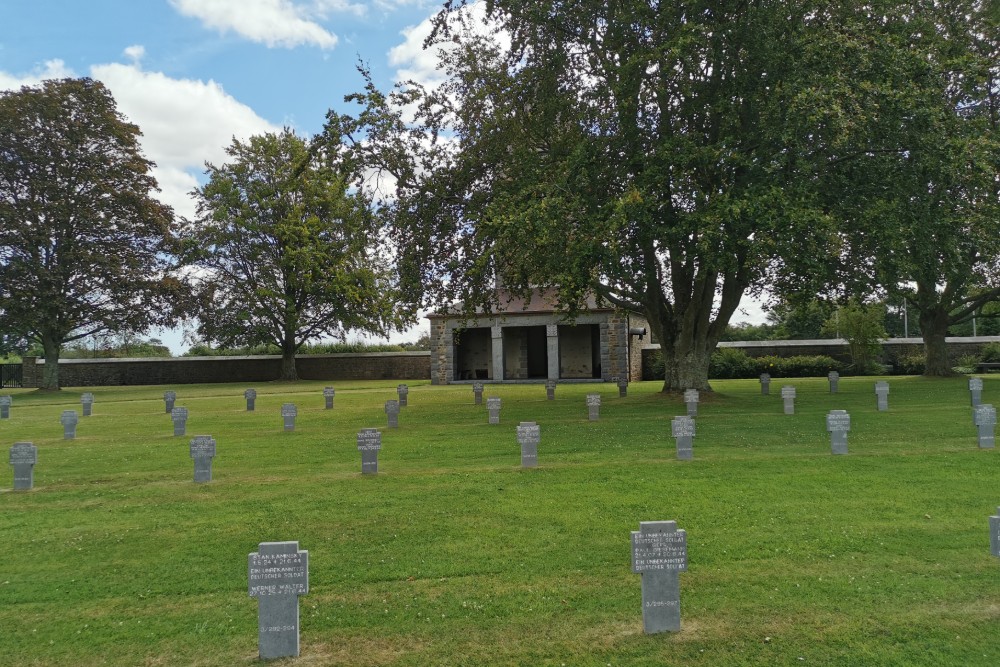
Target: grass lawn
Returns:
[[454, 555]]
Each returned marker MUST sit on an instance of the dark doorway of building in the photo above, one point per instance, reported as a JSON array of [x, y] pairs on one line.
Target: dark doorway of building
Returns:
[[473, 354]]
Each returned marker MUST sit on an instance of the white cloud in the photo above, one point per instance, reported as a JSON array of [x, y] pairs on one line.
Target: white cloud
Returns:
[[271, 22], [184, 123], [50, 69], [135, 53]]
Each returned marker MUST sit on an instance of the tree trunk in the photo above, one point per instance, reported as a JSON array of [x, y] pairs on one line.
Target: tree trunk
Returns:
[[934, 327], [50, 372], [288, 370], [686, 351]]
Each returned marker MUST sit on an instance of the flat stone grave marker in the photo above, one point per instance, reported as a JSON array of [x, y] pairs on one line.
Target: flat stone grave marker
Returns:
[[550, 390], [659, 554], [369, 444], [328, 395], [69, 420], [691, 398], [882, 395], [251, 396], [288, 413], [23, 456], [838, 423], [179, 417], [986, 423], [202, 450], [392, 412], [682, 428], [976, 391], [477, 392], [168, 400], [622, 383], [833, 377], [278, 573], [529, 434], [493, 406], [765, 384], [788, 397], [5, 403], [593, 407], [87, 401], [995, 534], [402, 391]]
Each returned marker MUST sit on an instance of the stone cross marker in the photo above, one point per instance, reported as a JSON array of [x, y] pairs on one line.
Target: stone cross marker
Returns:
[[392, 411], [168, 400], [493, 406], [788, 396], [986, 423], [838, 423], [659, 553], [369, 444], [69, 420], [180, 417], [976, 391], [834, 378], [289, 412], [529, 434], [765, 384], [995, 534], [691, 401], [278, 574], [594, 407], [202, 451], [328, 395], [251, 396], [882, 395], [550, 390], [23, 456], [87, 401], [682, 428], [622, 383], [477, 392], [5, 402], [402, 391]]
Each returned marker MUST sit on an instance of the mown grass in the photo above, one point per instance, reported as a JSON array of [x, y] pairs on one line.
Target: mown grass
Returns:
[[453, 555]]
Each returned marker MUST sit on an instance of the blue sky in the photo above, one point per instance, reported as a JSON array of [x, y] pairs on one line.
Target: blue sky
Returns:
[[192, 74]]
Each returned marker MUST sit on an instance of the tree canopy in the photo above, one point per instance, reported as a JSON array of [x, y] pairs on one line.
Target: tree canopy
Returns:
[[84, 245], [283, 253]]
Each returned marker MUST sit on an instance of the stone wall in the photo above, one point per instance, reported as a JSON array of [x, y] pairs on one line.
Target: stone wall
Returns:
[[196, 370]]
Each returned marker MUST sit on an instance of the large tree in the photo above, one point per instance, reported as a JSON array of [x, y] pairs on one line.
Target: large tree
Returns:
[[84, 245], [283, 253], [913, 155], [636, 150]]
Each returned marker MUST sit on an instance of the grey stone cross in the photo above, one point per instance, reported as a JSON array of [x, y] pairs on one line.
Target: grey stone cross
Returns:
[[765, 384], [788, 397], [392, 412], [838, 423], [477, 392], [882, 395], [493, 406], [691, 398], [369, 444], [87, 401], [402, 391], [682, 429], [328, 395], [202, 449], [5, 402], [834, 378], [288, 413], [528, 436], [593, 407], [550, 390], [659, 553], [976, 391], [278, 573], [69, 419], [179, 417], [23, 456], [251, 396], [168, 400], [986, 423]]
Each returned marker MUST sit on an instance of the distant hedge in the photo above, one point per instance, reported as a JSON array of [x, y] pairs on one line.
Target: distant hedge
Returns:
[[728, 363]]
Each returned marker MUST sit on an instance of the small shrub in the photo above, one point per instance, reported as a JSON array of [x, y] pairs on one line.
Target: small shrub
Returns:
[[966, 364], [796, 367], [728, 363], [989, 354], [911, 364]]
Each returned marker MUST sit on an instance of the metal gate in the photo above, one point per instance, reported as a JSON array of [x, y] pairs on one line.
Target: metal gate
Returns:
[[11, 375]]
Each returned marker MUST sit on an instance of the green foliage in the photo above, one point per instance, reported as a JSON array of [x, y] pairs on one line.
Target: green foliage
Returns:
[[746, 331], [863, 327], [205, 350], [966, 364], [911, 364], [286, 254], [990, 353], [84, 245], [800, 319], [731, 363]]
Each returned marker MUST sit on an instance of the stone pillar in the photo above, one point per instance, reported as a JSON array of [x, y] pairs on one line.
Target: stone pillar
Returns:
[[496, 334], [552, 350], [29, 373]]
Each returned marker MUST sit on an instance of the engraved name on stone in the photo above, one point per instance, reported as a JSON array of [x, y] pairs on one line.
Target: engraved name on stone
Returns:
[[986, 420], [288, 413], [23, 456], [328, 395], [529, 435], [392, 413], [838, 423], [369, 444], [179, 417], [277, 574], [683, 430], [493, 407], [69, 420], [659, 554], [202, 450]]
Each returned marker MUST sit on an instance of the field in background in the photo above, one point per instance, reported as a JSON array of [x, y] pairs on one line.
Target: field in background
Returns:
[[453, 555]]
